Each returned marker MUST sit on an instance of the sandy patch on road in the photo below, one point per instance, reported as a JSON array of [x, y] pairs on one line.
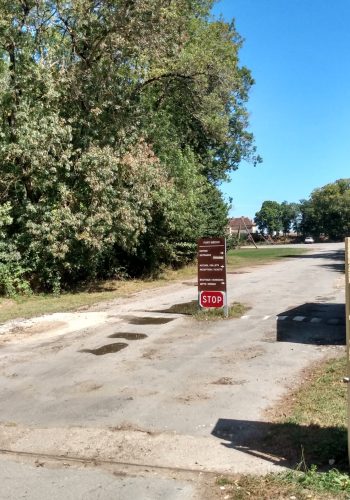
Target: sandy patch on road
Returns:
[[192, 397], [42, 327], [151, 354], [132, 446], [229, 381], [46, 326]]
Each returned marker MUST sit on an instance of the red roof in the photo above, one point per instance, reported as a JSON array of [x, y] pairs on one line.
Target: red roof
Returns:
[[237, 222]]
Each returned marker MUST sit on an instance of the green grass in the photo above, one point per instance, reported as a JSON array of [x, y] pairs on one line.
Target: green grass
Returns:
[[308, 485], [308, 428], [27, 307], [34, 305], [312, 421], [322, 400], [247, 257]]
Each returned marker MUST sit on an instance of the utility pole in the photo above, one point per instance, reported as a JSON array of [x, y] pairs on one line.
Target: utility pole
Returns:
[[249, 233], [347, 322], [239, 234]]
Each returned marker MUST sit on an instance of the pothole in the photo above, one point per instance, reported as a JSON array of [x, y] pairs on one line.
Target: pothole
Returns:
[[186, 308], [128, 336], [147, 320], [106, 349]]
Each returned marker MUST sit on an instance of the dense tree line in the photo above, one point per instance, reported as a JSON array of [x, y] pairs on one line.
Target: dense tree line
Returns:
[[119, 120], [325, 213], [274, 218]]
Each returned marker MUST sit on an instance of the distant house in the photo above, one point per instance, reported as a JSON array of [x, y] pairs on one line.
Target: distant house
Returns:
[[241, 223]]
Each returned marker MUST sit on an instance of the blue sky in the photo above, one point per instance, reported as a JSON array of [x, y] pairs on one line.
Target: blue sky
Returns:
[[299, 54]]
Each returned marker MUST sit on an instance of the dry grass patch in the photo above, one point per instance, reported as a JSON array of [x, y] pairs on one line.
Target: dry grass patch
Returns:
[[36, 305], [235, 310], [308, 427], [286, 486], [311, 421]]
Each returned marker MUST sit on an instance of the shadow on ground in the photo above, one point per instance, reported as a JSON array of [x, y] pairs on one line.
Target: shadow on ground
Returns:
[[335, 255], [186, 308], [285, 444], [313, 323]]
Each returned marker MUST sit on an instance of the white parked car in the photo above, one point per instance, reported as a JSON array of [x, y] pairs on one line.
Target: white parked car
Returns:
[[309, 239]]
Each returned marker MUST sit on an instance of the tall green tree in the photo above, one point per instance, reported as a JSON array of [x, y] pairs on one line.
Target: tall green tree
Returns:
[[290, 214], [269, 217], [327, 211], [118, 119]]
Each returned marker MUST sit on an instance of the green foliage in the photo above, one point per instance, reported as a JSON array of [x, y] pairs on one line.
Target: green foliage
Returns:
[[119, 120], [12, 272], [290, 215], [269, 217], [331, 481], [292, 484], [235, 240], [327, 211], [13, 280]]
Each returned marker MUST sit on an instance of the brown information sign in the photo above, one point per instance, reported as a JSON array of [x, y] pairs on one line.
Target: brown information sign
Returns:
[[212, 264]]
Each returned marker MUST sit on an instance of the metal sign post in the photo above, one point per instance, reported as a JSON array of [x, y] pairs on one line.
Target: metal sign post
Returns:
[[347, 321], [212, 288]]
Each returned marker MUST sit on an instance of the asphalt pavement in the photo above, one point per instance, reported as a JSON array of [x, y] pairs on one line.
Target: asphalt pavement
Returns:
[[129, 400]]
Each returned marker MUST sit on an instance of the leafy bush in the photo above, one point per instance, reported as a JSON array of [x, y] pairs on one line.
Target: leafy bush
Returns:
[[118, 123], [12, 274], [331, 481]]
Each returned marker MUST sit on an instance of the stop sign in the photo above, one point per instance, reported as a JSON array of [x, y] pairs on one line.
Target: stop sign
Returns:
[[211, 299]]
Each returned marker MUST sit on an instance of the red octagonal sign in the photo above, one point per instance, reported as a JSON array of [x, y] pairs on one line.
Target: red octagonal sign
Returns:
[[211, 299]]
